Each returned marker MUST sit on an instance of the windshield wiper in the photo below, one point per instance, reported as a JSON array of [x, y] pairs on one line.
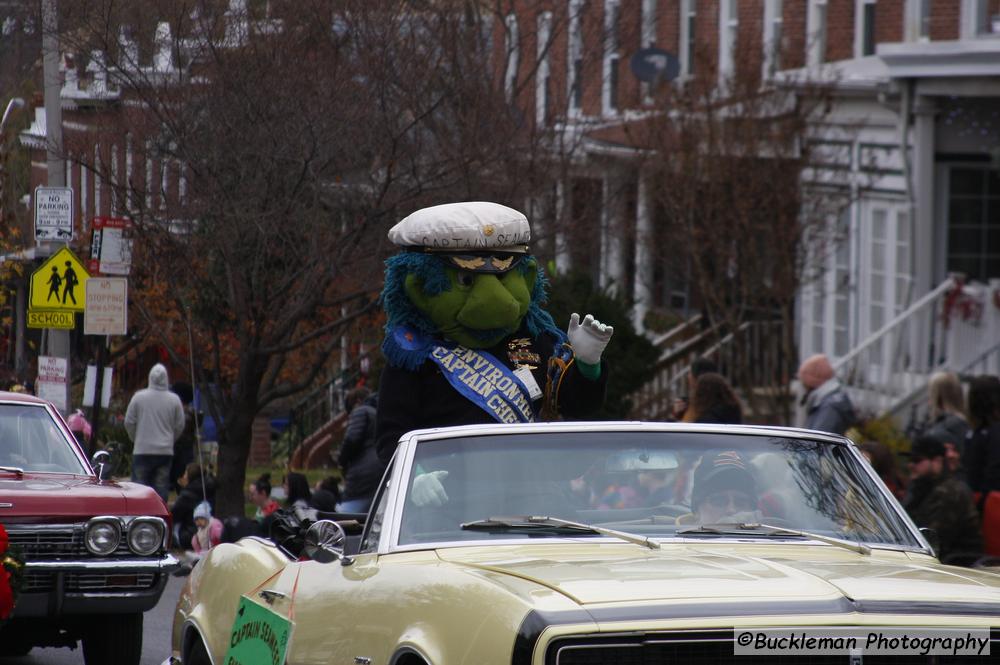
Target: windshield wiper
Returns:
[[542, 522], [12, 469], [754, 528]]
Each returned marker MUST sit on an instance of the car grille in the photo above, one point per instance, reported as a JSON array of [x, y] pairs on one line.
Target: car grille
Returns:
[[43, 582], [48, 542], [716, 648]]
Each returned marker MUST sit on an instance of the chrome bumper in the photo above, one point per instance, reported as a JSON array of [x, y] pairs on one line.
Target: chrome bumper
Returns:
[[167, 564], [58, 601]]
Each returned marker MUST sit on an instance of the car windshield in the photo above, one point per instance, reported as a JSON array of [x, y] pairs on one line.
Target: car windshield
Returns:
[[651, 484], [30, 440]]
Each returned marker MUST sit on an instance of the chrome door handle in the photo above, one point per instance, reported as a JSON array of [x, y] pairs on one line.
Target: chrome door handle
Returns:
[[271, 595]]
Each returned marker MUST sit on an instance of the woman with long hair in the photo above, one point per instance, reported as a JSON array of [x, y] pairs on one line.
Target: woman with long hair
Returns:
[[713, 401], [949, 422], [297, 492]]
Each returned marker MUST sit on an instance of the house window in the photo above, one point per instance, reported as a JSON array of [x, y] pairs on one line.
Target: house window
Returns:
[[512, 48], [974, 222], [574, 59], [687, 42], [978, 18], [729, 24], [773, 26], [542, 79], [918, 20], [816, 31], [648, 23], [864, 28], [612, 11], [648, 38]]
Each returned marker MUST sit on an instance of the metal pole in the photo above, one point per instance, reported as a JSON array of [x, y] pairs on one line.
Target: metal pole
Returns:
[[58, 340]]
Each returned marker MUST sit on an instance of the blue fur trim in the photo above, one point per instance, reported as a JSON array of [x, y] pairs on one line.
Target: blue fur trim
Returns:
[[401, 313], [537, 319], [406, 347], [398, 308]]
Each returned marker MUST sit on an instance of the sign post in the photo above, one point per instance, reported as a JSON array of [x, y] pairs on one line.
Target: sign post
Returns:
[[58, 289], [106, 313], [110, 246], [53, 380], [53, 214]]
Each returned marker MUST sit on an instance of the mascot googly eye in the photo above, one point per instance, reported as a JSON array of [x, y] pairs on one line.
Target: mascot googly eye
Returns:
[[467, 340]]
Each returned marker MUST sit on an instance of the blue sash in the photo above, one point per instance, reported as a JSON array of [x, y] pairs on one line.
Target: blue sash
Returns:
[[486, 382]]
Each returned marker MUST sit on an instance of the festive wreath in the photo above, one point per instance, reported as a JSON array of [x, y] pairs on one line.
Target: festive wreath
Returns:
[[11, 576]]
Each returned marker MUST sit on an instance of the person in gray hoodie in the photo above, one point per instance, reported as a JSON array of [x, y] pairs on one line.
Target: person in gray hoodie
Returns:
[[154, 420]]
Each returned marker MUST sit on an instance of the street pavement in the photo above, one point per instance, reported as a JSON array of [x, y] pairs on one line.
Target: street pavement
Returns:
[[157, 624]]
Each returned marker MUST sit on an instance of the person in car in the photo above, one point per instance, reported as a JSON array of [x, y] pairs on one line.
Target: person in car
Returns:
[[724, 490]]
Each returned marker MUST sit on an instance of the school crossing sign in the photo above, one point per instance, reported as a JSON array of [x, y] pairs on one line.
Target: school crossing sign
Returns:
[[58, 291]]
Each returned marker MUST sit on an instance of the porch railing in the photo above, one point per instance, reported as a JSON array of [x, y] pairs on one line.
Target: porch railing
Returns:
[[755, 347], [955, 327]]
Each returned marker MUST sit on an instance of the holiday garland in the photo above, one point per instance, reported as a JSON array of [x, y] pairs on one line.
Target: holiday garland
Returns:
[[11, 576]]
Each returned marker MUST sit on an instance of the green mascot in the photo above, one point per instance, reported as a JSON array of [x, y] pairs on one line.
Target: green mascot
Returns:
[[467, 340]]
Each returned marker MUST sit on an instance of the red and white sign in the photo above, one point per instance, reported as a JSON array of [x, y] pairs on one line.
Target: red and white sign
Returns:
[[52, 380], [110, 246]]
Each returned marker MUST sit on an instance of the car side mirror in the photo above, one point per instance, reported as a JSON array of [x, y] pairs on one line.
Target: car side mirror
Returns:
[[324, 542], [932, 538], [100, 463]]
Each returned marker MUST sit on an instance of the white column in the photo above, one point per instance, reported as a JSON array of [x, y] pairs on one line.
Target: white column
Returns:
[[612, 274], [643, 286], [924, 111], [563, 259], [923, 190]]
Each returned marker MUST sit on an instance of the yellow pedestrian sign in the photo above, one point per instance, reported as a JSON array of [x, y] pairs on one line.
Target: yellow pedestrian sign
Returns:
[[60, 284]]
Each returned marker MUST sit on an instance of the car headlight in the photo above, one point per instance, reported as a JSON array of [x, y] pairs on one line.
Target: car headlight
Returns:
[[102, 536], [145, 536]]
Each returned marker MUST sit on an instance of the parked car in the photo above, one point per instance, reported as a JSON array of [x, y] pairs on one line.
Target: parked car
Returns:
[[573, 543], [95, 550]]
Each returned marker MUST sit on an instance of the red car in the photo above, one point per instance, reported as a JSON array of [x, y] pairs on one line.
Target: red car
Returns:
[[96, 551]]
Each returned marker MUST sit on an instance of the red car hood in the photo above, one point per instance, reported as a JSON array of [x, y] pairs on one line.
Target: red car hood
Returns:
[[56, 497]]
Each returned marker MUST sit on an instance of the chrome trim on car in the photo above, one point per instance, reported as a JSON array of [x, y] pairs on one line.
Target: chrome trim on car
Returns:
[[167, 563]]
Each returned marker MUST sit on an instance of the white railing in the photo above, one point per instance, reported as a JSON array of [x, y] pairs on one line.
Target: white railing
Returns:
[[759, 341], [955, 327]]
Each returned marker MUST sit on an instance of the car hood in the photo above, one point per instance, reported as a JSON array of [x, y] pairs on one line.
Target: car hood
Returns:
[[693, 573], [53, 498]]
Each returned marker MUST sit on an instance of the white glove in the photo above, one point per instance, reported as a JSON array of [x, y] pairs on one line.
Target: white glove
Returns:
[[428, 490], [589, 338]]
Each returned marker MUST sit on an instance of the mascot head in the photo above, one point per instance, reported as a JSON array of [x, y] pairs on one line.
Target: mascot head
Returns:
[[464, 274]]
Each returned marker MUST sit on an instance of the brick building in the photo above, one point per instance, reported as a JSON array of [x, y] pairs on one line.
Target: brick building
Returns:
[[916, 81]]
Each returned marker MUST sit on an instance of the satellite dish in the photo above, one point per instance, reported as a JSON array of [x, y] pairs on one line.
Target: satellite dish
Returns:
[[655, 65]]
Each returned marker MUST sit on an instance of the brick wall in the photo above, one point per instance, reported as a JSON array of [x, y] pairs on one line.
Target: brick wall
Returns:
[[794, 16], [839, 30], [946, 19], [889, 21], [260, 442]]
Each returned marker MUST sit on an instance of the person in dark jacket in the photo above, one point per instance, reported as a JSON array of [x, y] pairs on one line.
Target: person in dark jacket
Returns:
[[358, 457], [828, 408], [983, 445], [937, 499]]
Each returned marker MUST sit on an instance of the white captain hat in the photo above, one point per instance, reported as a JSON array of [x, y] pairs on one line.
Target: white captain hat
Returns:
[[473, 235]]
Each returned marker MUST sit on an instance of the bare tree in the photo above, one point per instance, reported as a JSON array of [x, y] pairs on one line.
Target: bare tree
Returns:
[[291, 135], [740, 216]]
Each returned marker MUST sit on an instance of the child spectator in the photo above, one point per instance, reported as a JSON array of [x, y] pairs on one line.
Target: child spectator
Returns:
[[209, 533]]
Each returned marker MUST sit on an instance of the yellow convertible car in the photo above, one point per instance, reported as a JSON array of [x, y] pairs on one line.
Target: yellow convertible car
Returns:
[[586, 543]]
